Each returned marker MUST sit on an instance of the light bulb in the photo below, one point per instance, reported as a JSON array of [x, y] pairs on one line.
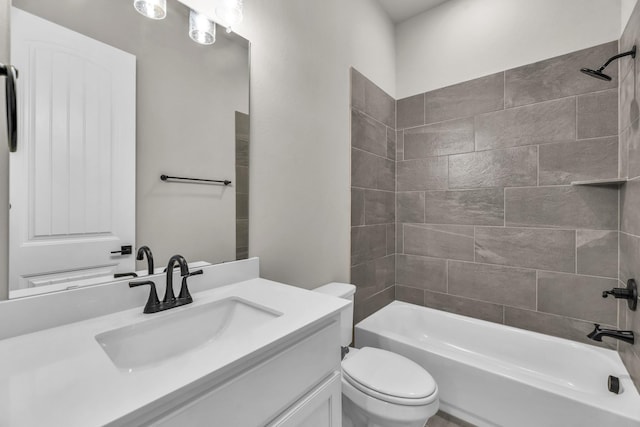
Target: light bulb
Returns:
[[201, 29], [154, 9]]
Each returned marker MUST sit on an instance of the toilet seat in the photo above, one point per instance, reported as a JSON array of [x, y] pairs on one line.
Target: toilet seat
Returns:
[[389, 377]]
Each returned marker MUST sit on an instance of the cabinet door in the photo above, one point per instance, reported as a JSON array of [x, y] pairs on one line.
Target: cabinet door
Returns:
[[320, 408], [260, 393]]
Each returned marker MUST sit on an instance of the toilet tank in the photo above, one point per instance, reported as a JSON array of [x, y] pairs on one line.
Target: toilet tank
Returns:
[[345, 291]]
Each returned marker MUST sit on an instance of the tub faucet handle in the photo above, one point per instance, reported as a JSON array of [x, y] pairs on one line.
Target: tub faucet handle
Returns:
[[630, 293]]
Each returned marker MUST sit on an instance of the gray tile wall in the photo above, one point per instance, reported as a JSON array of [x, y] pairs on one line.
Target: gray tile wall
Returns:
[[629, 235], [373, 194], [242, 185], [467, 206], [488, 224]]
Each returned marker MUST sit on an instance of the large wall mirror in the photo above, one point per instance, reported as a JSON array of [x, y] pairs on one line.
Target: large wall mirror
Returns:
[[108, 102]]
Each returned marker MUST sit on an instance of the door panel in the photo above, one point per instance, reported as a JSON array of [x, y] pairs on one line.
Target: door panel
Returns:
[[73, 178]]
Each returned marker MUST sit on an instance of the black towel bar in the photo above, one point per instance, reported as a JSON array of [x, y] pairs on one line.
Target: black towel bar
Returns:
[[166, 178]]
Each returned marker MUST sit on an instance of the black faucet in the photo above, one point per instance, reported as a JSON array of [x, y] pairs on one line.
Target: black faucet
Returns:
[[144, 250], [169, 301], [598, 333], [169, 296]]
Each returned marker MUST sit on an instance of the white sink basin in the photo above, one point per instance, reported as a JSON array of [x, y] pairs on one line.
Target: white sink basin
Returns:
[[170, 334]]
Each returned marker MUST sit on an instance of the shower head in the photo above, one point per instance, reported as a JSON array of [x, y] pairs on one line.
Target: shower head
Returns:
[[598, 74]]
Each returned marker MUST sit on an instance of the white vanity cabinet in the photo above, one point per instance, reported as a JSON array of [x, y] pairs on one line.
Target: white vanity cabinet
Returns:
[[320, 408], [253, 353], [296, 384]]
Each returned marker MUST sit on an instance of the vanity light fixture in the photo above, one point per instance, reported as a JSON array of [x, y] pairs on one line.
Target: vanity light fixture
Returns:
[[230, 13], [201, 29], [154, 9]]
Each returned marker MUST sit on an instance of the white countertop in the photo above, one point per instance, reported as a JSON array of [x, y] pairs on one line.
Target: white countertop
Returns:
[[62, 377]]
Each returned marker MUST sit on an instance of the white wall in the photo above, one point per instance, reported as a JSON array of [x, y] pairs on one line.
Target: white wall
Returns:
[[465, 39], [300, 131]]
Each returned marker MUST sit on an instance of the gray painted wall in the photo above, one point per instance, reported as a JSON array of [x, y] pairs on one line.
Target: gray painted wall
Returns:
[[186, 102]]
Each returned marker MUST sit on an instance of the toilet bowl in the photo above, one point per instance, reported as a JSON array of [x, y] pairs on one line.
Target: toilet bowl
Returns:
[[380, 388]]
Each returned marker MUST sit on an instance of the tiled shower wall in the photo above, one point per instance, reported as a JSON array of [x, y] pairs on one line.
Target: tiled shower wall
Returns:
[[630, 193], [488, 223], [242, 185], [373, 197]]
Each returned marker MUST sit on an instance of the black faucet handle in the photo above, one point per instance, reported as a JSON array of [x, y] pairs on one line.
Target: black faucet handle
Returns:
[[630, 293], [185, 296], [120, 275], [195, 273], [617, 293], [152, 302]]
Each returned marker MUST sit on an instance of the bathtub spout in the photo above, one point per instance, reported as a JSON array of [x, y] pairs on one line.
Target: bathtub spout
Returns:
[[598, 333]]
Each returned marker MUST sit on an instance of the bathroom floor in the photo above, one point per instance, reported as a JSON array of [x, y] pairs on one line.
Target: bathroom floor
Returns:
[[442, 419]]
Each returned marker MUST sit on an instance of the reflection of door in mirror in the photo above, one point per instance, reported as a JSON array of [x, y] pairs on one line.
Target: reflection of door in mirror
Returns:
[[183, 104], [72, 193]]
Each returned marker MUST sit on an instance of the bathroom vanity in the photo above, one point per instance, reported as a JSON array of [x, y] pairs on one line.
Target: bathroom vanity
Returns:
[[248, 353]]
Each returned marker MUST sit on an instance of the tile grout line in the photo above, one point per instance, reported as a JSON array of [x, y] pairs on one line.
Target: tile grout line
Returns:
[[505, 108], [424, 109], [395, 207], [576, 251], [504, 90], [512, 267], [474, 243], [504, 206], [537, 292], [537, 167], [446, 274], [576, 125], [369, 152]]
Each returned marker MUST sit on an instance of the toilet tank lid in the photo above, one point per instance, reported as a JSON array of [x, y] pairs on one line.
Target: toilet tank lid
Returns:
[[336, 289]]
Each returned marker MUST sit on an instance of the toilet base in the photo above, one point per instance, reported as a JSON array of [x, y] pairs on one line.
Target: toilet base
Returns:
[[354, 416]]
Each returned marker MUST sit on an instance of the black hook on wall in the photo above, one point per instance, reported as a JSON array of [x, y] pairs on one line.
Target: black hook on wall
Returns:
[[11, 74]]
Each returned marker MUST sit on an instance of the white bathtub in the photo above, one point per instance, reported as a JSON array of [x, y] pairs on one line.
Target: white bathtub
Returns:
[[495, 375]]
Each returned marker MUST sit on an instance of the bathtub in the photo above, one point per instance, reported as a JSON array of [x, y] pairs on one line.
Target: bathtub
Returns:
[[495, 375]]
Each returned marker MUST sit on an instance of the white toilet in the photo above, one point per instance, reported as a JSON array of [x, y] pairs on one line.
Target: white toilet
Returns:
[[380, 388]]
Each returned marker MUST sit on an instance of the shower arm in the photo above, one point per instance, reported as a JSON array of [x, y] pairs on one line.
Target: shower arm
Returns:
[[632, 52]]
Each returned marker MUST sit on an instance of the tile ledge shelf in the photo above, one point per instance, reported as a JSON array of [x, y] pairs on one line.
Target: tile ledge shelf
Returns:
[[596, 182]]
